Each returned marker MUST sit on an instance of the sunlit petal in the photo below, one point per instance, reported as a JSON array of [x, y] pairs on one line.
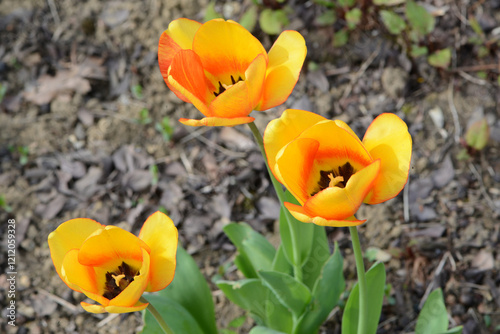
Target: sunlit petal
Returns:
[[279, 132], [76, 275], [160, 234], [226, 48], [286, 58], [216, 121], [388, 139], [298, 213]]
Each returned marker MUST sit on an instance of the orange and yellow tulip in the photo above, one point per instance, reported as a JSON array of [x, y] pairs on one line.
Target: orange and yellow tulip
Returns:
[[330, 171], [112, 266], [225, 72]]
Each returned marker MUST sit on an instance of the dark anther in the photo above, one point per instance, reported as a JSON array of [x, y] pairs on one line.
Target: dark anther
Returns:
[[221, 90], [232, 80], [111, 289], [346, 171]]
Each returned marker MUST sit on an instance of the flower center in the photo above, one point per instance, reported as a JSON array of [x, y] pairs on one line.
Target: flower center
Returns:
[[223, 87], [334, 178], [118, 280]]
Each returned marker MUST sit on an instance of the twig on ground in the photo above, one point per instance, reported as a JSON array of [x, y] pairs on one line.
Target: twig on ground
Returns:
[[454, 112], [472, 79], [197, 134], [437, 271], [360, 72], [59, 300], [487, 197], [53, 12], [106, 320]]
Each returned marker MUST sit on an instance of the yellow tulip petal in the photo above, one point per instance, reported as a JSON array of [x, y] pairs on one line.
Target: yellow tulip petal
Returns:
[[110, 245], [335, 203], [279, 132], [178, 36], [186, 78], [286, 58], [226, 48], [216, 121], [93, 308], [388, 139], [294, 164], [70, 235], [298, 212], [131, 294], [160, 234], [78, 276]]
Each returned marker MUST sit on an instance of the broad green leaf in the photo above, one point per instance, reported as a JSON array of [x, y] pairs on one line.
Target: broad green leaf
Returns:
[[440, 58], [174, 314], [264, 330], [419, 18], [272, 21], [211, 13], [417, 51], [249, 294], [320, 252], [340, 38], [249, 18], [303, 232], [375, 280], [388, 2], [255, 252], [478, 134], [278, 317], [280, 262], [325, 294], [353, 17], [433, 318], [327, 18], [190, 289], [393, 22], [291, 293]]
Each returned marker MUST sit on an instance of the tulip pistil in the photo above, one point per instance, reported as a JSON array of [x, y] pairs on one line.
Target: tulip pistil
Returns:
[[117, 281], [334, 178], [223, 87]]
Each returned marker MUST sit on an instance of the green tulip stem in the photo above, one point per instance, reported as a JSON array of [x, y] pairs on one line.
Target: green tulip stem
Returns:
[[158, 317], [360, 268], [297, 268]]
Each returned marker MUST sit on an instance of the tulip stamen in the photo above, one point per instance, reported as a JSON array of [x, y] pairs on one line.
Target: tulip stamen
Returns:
[[223, 87], [334, 178], [117, 281]]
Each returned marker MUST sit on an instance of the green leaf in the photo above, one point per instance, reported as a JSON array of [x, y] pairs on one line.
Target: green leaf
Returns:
[[255, 252], [264, 330], [320, 252], [478, 134], [417, 51], [289, 225], [190, 289], [353, 17], [454, 330], [211, 13], [419, 18], [280, 262], [327, 18], [174, 314], [325, 294], [476, 27], [237, 322], [278, 317], [249, 18], [340, 38], [375, 280], [249, 294], [440, 58], [393, 22], [291, 293], [433, 318], [272, 21]]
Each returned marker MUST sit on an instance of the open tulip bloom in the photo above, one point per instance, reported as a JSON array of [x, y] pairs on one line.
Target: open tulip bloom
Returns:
[[113, 266], [225, 72], [330, 171]]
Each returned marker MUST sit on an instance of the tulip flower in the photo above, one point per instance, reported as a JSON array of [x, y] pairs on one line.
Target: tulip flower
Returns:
[[225, 72], [330, 171], [112, 266]]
